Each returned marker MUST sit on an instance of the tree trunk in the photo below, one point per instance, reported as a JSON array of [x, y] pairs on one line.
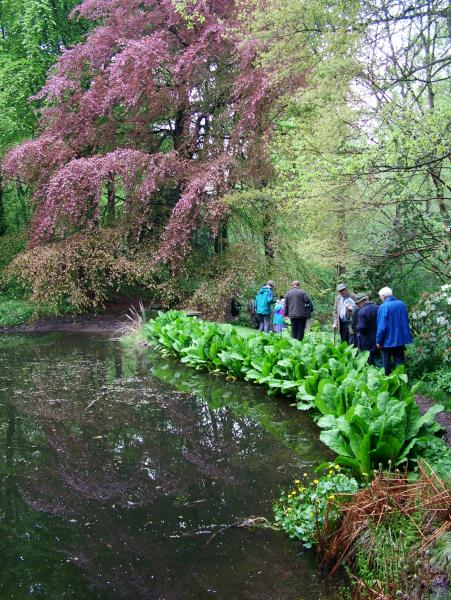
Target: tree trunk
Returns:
[[110, 217], [222, 239]]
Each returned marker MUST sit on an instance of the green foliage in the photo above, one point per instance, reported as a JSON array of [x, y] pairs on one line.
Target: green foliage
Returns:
[[14, 312], [10, 246], [305, 510], [387, 552], [429, 357], [359, 153], [370, 419], [366, 418], [33, 34], [437, 456], [187, 8]]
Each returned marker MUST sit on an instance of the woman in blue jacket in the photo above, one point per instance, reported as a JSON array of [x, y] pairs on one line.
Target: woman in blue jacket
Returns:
[[393, 331], [263, 306]]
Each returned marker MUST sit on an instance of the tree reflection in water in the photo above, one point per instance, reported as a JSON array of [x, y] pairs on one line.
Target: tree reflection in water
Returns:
[[118, 467]]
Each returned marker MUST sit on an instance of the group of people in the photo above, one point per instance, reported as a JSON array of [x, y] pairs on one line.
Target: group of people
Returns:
[[383, 330], [296, 305]]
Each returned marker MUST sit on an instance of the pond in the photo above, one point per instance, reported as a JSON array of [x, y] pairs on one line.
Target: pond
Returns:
[[121, 472]]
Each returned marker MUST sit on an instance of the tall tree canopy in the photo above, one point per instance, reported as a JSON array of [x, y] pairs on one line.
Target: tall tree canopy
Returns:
[[32, 35], [362, 152], [163, 107]]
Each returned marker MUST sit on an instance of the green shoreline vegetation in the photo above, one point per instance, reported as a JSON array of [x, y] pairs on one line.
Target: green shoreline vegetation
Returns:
[[369, 420]]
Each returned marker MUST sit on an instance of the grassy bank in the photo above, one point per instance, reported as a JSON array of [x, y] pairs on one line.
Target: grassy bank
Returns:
[[15, 312]]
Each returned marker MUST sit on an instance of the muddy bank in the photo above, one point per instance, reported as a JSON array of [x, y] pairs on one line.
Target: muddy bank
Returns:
[[104, 323], [113, 319]]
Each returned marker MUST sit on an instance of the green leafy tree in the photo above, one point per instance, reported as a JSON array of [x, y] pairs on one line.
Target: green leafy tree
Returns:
[[32, 35], [361, 158]]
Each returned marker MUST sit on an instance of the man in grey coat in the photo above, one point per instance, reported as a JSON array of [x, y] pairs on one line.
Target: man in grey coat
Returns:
[[297, 303], [343, 307]]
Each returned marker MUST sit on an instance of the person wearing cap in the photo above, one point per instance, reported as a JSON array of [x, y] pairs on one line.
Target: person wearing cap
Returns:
[[298, 307], [393, 330], [366, 328], [343, 306], [263, 306]]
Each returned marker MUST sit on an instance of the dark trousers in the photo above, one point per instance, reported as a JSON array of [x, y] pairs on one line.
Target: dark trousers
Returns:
[[375, 358], [264, 322], [298, 327], [392, 357], [344, 331]]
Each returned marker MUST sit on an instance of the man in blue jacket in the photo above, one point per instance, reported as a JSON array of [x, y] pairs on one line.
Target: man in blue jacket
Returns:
[[263, 306], [393, 331]]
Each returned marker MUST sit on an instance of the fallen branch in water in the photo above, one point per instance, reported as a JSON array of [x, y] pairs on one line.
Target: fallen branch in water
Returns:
[[260, 522]]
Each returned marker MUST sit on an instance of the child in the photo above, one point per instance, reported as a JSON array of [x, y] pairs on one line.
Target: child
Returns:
[[278, 316]]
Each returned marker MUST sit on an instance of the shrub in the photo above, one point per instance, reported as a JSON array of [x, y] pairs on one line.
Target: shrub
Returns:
[[82, 271], [236, 272], [430, 356], [437, 457]]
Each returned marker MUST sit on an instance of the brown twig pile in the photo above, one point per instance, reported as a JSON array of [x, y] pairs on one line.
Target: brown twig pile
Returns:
[[388, 494]]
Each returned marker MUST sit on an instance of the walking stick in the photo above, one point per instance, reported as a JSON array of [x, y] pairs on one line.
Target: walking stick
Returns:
[[335, 335]]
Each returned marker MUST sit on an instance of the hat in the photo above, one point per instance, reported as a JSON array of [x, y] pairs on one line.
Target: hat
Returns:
[[341, 286], [361, 298], [271, 283]]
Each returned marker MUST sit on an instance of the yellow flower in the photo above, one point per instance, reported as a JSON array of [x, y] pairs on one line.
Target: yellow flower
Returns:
[[331, 497], [365, 474], [297, 481], [316, 481], [330, 473], [305, 474], [337, 467], [288, 509]]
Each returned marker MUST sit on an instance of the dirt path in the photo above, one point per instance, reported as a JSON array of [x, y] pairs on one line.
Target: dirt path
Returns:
[[444, 418]]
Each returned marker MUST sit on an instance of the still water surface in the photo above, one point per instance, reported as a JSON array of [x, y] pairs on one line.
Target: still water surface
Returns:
[[118, 470]]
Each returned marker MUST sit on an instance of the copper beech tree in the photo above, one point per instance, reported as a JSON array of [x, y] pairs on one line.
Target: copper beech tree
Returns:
[[152, 118]]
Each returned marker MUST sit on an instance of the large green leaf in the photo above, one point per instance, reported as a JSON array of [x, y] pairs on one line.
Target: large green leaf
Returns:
[[360, 444], [336, 441], [326, 398]]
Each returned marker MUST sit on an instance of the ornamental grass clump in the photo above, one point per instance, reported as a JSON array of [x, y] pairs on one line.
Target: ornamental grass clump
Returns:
[[385, 534]]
